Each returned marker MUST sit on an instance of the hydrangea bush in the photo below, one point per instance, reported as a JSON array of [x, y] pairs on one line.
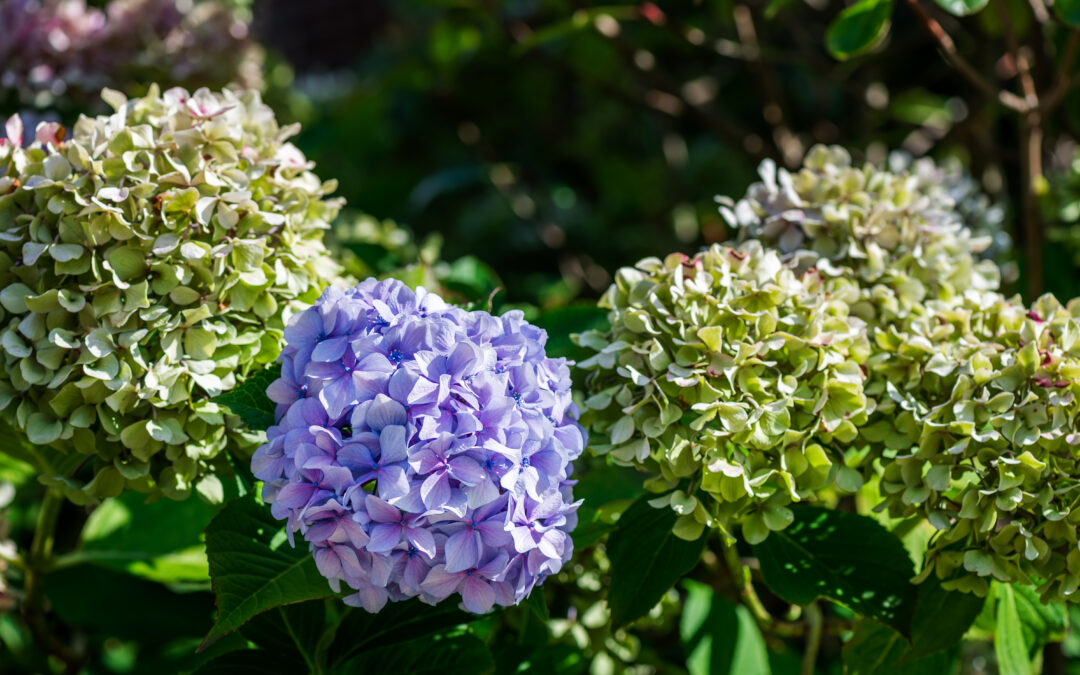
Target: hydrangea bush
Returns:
[[62, 52], [148, 262], [422, 450], [852, 332]]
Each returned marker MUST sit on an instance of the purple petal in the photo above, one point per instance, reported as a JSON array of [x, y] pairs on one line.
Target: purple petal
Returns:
[[466, 470], [477, 595], [384, 538], [380, 511], [392, 444], [462, 551], [439, 583], [392, 482], [422, 539], [330, 350], [435, 490], [385, 411]]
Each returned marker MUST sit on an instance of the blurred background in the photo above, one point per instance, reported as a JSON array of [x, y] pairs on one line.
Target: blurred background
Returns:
[[535, 146], [552, 140]]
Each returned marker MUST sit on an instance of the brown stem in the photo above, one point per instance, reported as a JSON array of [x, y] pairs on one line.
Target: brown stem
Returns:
[[1032, 183], [956, 60]]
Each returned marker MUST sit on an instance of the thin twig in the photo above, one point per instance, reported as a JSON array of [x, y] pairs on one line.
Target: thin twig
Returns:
[[956, 60], [1065, 80], [814, 621]]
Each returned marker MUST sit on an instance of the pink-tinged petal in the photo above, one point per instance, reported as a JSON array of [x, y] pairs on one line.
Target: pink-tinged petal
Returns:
[[281, 391], [49, 132], [370, 598], [435, 490], [328, 562], [321, 530], [410, 503], [295, 495], [392, 444], [380, 567], [461, 551], [350, 564], [354, 532], [392, 482], [466, 470], [477, 595], [422, 540], [411, 578], [380, 511], [384, 538], [439, 583], [14, 129], [267, 465]]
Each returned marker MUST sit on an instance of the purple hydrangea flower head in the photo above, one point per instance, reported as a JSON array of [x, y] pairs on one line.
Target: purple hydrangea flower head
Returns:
[[422, 450]]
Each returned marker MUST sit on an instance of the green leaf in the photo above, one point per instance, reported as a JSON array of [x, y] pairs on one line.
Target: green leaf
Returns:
[[845, 557], [1039, 623], [462, 654], [250, 402], [858, 28], [1009, 644], [646, 559], [252, 570], [875, 649], [471, 278], [396, 623], [718, 636], [941, 617], [538, 603], [290, 632], [962, 7], [161, 541], [1068, 11], [606, 492]]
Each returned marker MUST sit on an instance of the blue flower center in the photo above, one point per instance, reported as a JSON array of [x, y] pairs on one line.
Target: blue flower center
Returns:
[[320, 337], [402, 523], [381, 322], [525, 463], [396, 357]]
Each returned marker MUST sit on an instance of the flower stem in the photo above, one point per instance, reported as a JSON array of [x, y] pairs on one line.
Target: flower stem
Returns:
[[37, 563]]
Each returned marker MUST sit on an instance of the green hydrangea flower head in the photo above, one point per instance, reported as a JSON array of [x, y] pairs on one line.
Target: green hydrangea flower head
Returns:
[[865, 340], [736, 371], [898, 234], [148, 263]]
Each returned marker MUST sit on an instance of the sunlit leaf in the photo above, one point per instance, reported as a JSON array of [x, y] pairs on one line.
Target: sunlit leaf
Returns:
[[858, 28]]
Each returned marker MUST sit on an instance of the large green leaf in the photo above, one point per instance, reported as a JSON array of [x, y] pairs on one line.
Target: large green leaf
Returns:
[[605, 491], [253, 568], [845, 557], [1068, 11], [858, 28], [962, 7], [720, 637], [646, 560], [1023, 625], [876, 649], [1009, 645], [397, 623], [462, 654], [249, 401], [161, 540], [941, 617]]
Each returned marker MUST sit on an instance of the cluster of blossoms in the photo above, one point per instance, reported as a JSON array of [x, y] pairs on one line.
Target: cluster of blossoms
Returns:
[[62, 49], [148, 263], [422, 450], [959, 403]]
